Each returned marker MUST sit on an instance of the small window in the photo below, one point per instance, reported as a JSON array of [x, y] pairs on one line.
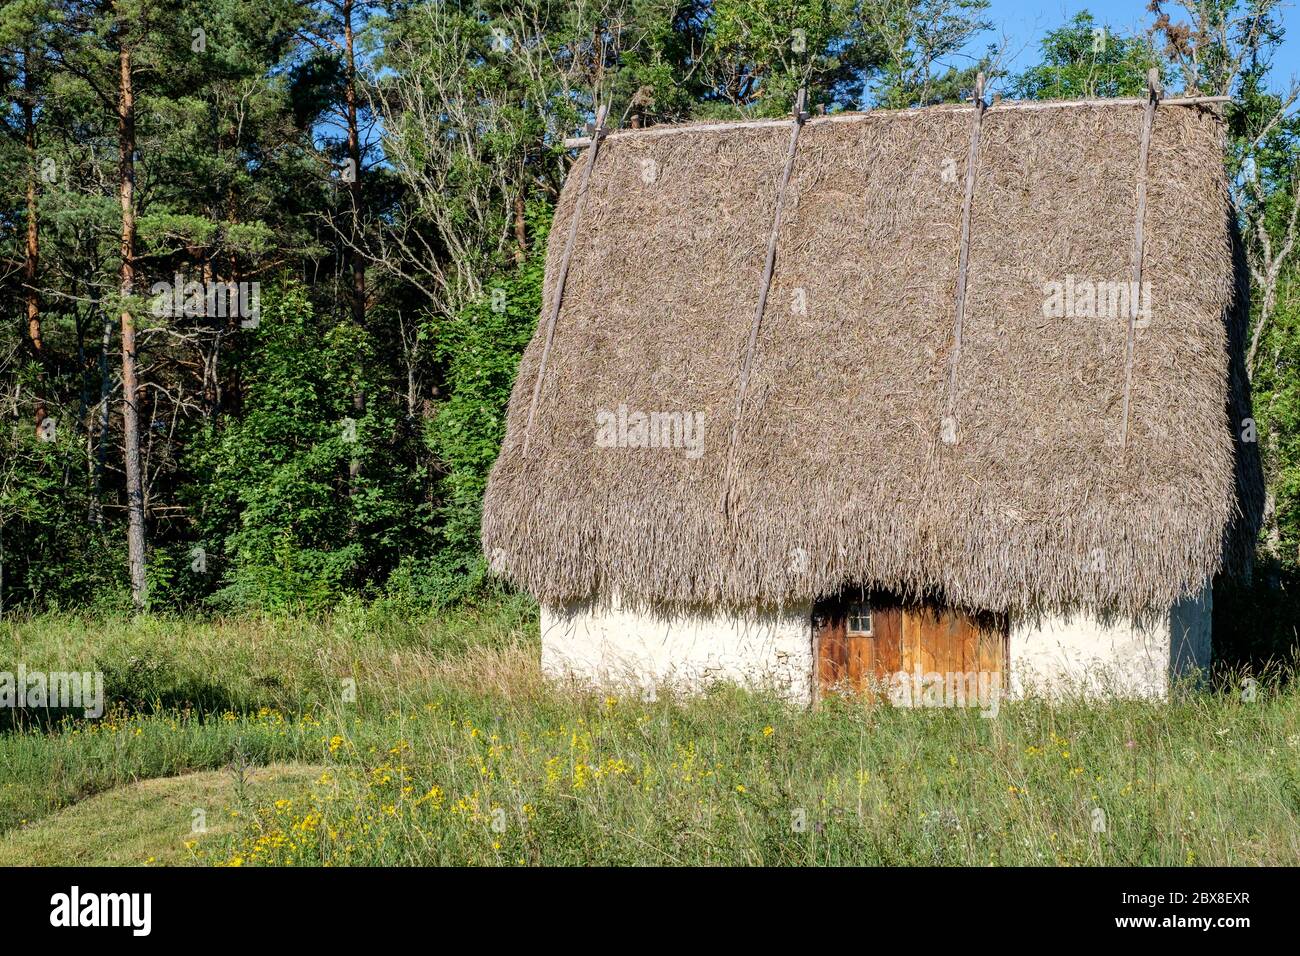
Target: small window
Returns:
[[858, 618]]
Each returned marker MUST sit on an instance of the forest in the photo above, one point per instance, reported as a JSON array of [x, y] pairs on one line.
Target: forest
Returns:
[[268, 266]]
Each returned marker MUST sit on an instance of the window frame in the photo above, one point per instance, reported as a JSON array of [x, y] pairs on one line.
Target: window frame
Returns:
[[859, 610]]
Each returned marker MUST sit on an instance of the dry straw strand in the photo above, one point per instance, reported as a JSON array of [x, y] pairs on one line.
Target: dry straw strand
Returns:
[[963, 254], [764, 284], [1139, 241]]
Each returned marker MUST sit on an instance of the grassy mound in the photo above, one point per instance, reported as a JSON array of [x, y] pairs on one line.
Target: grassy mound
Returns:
[[168, 821]]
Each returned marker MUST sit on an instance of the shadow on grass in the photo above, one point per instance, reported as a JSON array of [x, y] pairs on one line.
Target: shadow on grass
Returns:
[[146, 686]]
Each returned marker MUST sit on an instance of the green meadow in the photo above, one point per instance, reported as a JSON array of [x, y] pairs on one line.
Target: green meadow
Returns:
[[371, 737]]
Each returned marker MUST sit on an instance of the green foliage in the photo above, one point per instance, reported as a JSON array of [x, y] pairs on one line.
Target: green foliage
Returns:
[[757, 53], [283, 521], [1277, 410], [922, 37], [1086, 59], [1224, 40], [44, 521], [480, 348], [1263, 143]]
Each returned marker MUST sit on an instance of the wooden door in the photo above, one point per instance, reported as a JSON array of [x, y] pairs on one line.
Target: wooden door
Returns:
[[945, 640], [862, 640], [859, 643]]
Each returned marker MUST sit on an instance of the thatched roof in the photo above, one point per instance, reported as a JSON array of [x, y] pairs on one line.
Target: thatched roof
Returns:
[[840, 473]]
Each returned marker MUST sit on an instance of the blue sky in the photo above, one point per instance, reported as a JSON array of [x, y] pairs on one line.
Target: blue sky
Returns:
[[1025, 22]]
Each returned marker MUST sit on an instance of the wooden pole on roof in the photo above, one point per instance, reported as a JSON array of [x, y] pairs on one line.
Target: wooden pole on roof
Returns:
[[1154, 90], [597, 134], [949, 427], [998, 106], [800, 117]]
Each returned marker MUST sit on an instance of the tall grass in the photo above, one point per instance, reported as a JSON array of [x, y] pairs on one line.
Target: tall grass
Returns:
[[454, 750]]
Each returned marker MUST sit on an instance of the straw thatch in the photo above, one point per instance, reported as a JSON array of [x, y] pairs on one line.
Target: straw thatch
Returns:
[[842, 474]]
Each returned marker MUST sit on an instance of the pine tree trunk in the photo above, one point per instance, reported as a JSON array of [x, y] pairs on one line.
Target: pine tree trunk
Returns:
[[31, 259], [357, 262], [130, 383]]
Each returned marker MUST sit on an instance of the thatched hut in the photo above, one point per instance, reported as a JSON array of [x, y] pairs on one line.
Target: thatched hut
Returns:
[[833, 398]]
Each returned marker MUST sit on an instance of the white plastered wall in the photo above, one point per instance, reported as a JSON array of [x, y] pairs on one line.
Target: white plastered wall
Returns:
[[607, 645], [1126, 657]]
